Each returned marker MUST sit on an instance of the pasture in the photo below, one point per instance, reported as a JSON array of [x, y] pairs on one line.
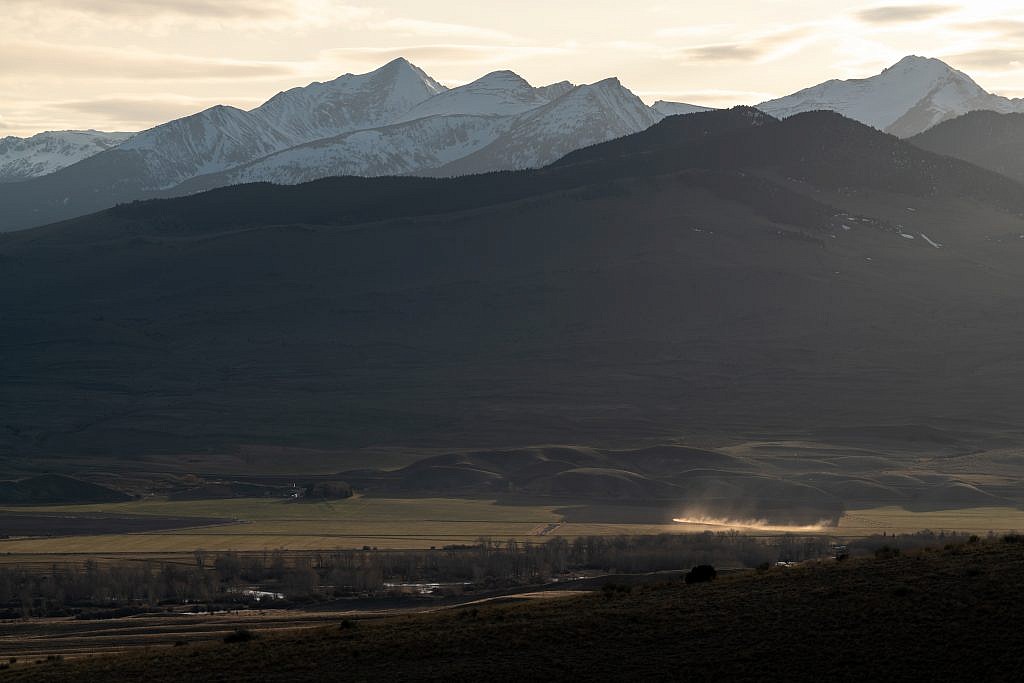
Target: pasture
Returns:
[[266, 524]]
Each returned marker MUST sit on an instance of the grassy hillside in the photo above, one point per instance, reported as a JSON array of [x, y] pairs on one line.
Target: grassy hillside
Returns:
[[942, 615]]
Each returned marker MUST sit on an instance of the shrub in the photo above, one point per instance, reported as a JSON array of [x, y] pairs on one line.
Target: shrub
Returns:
[[328, 490], [610, 589], [701, 574], [1013, 538], [241, 635], [885, 553]]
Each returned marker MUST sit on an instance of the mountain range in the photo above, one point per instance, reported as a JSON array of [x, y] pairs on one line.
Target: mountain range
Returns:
[[397, 120], [393, 121]]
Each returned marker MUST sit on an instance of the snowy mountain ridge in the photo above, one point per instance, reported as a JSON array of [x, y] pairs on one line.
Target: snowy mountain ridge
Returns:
[[392, 121], [395, 120], [382, 122], [583, 116], [44, 153], [498, 122], [221, 138]]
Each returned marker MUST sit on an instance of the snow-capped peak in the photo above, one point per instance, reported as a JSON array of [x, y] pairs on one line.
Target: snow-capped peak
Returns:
[[349, 102], [906, 98]]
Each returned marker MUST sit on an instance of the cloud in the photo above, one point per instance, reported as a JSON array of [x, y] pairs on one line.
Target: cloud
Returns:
[[692, 30], [760, 48], [140, 110], [123, 112], [19, 59], [901, 14], [723, 52], [442, 53], [708, 97], [203, 8], [160, 15], [990, 58], [418, 27], [1009, 28]]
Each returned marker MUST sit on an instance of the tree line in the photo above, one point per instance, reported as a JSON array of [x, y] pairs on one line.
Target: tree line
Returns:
[[222, 580]]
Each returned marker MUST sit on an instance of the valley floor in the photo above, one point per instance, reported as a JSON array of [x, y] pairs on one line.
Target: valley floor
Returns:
[[944, 614], [267, 524]]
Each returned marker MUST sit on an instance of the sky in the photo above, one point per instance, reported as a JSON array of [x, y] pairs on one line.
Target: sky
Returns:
[[130, 64]]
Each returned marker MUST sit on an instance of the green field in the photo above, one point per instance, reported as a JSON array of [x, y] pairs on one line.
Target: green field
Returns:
[[260, 524]]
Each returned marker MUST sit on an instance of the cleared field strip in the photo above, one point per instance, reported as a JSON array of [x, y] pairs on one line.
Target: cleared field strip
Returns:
[[269, 524], [261, 524]]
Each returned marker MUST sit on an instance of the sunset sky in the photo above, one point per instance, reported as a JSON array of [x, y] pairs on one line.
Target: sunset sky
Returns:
[[130, 64]]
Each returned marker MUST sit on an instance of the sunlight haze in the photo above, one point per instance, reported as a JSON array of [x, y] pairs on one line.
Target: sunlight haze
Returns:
[[128, 65]]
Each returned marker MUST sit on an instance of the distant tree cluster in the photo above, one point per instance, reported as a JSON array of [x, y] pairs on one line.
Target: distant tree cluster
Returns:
[[227, 579], [327, 490]]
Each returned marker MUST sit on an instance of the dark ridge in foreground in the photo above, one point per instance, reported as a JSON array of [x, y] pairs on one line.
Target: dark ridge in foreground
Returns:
[[938, 615], [758, 277]]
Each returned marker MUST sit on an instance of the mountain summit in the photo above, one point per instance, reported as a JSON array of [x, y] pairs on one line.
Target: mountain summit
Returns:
[[905, 99]]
